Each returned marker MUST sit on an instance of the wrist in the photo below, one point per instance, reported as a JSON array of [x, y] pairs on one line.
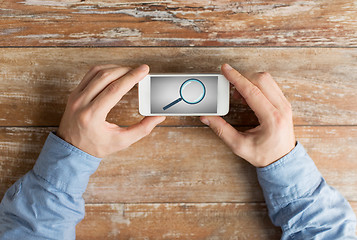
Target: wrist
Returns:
[[289, 177], [287, 153], [64, 166]]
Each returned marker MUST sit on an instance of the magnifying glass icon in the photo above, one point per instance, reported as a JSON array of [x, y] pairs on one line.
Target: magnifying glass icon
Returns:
[[192, 91]]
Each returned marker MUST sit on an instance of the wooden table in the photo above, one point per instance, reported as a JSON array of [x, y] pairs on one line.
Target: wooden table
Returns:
[[181, 182]]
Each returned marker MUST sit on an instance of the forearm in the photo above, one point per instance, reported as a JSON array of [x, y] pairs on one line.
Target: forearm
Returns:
[[47, 202], [300, 201]]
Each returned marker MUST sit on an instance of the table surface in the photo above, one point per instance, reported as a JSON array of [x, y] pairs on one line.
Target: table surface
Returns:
[[181, 181]]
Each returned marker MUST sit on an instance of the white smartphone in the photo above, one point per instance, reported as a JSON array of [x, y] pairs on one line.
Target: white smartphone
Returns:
[[184, 95]]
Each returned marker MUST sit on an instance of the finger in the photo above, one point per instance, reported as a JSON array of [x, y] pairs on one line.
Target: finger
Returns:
[[137, 131], [253, 96], [225, 131], [112, 94], [270, 88], [100, 81], [91, 73]]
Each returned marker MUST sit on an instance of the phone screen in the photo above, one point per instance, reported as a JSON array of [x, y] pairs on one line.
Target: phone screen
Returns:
[[183, 94]]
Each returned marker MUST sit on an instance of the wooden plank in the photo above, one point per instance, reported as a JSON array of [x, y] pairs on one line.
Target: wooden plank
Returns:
[[320, 83], [177, 221], [178, 23], [184, 165]]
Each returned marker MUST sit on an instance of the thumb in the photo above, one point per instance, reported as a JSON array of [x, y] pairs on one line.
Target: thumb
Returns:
[[225, 131], [139, 130]]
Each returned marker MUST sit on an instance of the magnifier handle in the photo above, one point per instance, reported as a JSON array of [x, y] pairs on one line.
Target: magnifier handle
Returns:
[[171, 104]]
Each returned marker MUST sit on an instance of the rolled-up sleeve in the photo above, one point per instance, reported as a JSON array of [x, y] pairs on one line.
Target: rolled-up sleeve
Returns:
[[47, 202], [301, 202]]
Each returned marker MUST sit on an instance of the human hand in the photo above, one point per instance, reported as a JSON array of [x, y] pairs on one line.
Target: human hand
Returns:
[[274, 137], [84, 122]]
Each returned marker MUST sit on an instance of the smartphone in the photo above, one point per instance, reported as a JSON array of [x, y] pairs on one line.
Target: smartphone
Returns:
[[184, 95]]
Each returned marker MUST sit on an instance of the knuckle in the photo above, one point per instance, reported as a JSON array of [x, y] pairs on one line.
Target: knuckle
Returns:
[[84, 118], [220, 130], [127, 69], [113, 87], [263, 76], [131, 74], [278, 118], [104, 73], [254, 91], [96, 68], [74, 104]]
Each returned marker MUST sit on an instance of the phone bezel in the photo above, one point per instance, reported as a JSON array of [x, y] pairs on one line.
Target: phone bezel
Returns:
[[222, 95]]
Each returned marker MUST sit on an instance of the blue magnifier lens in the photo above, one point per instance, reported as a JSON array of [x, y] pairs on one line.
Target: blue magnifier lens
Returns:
[[192, 91]]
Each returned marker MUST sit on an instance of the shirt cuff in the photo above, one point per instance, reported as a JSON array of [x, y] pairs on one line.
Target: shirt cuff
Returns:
[[293, 176], [64, 166]]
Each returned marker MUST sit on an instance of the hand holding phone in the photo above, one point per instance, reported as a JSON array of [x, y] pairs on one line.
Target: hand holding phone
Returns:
[[274, 137], [84, 122], [184, 95]]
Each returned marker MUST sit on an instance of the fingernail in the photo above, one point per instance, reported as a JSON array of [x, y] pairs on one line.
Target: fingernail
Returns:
[[227, 67], [143, 68], [205, 121]]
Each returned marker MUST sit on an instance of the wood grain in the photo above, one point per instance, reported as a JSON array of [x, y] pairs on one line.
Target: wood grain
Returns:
[[177, 221], [320, 83], [178, 23], [187, 164], [180, 182]]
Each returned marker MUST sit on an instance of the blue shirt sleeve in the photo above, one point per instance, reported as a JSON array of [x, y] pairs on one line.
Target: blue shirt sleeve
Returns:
[[47, 202], [301, 202]]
